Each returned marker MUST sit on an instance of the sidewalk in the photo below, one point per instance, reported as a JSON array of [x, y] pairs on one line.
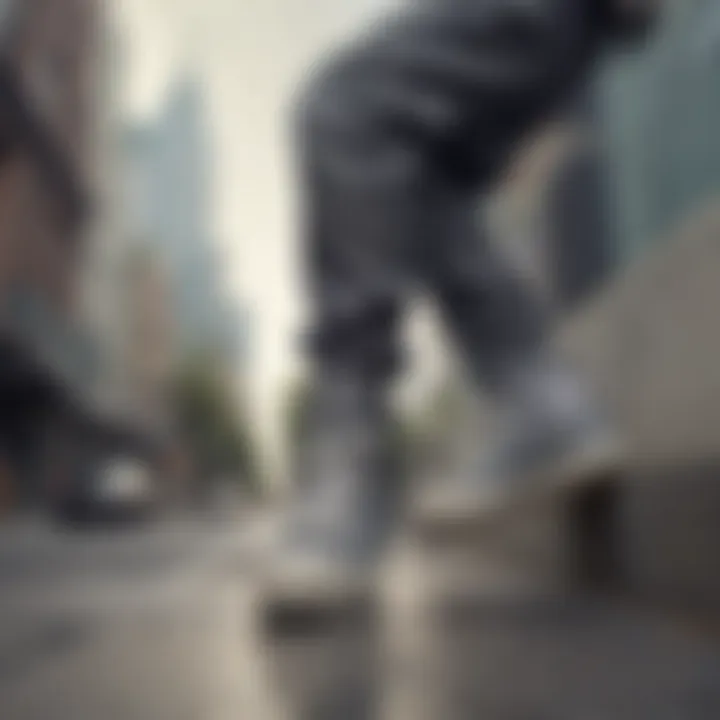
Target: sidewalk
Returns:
[[24, 527], [511, 649]]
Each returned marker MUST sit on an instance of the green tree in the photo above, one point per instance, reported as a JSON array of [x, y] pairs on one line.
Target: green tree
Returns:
[[297, 412], [213, 426]]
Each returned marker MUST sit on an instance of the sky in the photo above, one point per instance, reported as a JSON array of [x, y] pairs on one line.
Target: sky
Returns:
[[250, 55]]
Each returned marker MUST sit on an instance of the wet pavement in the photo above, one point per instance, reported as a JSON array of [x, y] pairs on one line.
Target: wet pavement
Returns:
[[161, 623]]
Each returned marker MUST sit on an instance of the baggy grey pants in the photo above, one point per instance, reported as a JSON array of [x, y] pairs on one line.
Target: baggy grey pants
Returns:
[[398, 134]]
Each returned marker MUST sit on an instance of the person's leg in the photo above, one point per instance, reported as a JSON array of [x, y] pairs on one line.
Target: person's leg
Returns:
[[398, 136], [437, 95], [362, 193], [492, 315], [549, 430]]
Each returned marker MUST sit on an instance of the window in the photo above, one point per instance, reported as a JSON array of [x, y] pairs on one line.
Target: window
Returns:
[[662, 112]]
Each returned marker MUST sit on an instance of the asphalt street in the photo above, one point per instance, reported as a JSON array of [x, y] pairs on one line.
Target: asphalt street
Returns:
[[133, 624], [161, 623]]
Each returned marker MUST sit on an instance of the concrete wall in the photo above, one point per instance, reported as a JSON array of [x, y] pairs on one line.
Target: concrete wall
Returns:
[[651, 342]]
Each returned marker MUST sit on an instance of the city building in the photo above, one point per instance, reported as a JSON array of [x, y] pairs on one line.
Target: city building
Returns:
[[179, 314], [168, 176], [47, 51], [661, 112], [122, 289], [148, 352]]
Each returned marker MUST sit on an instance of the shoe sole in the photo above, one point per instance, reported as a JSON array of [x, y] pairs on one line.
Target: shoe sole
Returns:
[[304, 602]]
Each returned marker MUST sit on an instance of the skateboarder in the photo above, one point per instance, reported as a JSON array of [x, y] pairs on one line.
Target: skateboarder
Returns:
[[398, 135]]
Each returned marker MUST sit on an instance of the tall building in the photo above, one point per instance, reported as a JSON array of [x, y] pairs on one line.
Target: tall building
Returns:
[[661, 112], [147, 354], [168, 196], [46, 92], [102, 282]]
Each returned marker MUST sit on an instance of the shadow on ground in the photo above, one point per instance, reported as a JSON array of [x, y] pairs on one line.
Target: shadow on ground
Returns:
[[326, 669], [569, 659]]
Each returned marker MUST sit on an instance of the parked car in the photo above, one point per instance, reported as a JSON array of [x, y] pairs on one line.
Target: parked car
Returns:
[[119, 489]]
